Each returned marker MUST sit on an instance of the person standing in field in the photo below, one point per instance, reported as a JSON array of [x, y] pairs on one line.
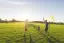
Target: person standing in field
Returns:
[[46, 26], [26, 24]]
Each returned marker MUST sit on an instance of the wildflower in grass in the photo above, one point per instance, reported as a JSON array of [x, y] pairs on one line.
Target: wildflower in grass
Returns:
[[38, 28]]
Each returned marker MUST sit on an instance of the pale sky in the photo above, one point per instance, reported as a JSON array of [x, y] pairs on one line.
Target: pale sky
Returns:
[[32, 9]]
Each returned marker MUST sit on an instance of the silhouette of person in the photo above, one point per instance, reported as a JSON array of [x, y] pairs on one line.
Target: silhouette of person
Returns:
[[46, 26]]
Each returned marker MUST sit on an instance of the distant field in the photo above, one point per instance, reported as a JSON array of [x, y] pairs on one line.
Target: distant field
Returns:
[[14, 33]]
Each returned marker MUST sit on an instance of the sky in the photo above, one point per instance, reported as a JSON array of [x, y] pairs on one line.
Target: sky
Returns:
[[32, 9]]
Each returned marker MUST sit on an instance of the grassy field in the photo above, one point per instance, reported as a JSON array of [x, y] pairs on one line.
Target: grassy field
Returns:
[[14, 33]]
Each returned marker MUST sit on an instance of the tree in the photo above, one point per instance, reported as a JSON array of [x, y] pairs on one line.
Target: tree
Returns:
[[6, 21], [13, 20], [1, 20]]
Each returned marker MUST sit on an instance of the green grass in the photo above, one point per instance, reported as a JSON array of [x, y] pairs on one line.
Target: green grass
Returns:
[[14, 32]]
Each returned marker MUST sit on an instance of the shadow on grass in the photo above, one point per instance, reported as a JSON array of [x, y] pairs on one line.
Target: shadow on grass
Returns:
[[46, 36], [8, 41], [56, 40]]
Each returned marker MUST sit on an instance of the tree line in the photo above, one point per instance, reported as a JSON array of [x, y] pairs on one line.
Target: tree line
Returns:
[[14, 20], [48, 22], [6, 21]]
